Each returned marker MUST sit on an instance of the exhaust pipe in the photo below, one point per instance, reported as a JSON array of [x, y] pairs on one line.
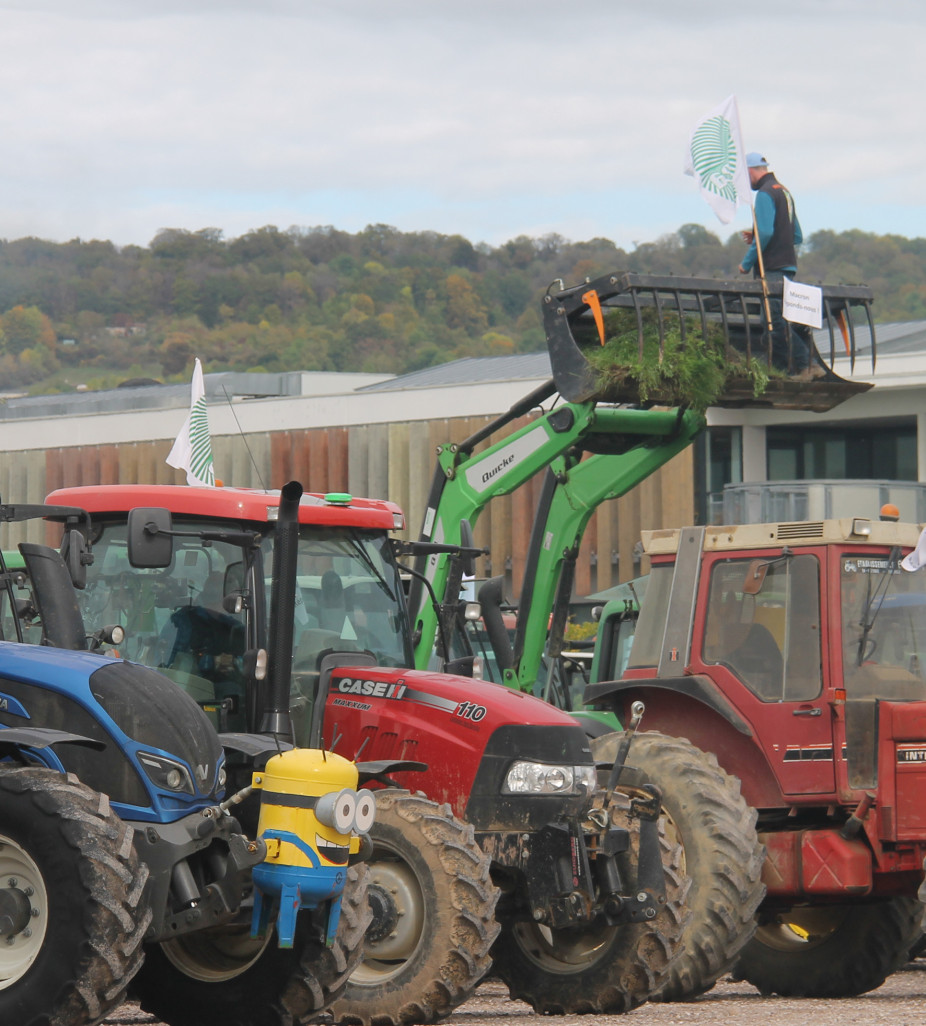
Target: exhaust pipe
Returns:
[[277, 719]]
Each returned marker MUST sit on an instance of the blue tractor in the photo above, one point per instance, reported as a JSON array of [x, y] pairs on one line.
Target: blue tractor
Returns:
[[136, 843]]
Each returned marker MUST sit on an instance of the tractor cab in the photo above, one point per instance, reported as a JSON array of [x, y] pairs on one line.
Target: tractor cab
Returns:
[[796, 652]]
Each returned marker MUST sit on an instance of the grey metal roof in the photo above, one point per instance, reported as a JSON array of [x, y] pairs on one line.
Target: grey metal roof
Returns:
[[474, 370], [150, 397], [898, 339], [895, 339]]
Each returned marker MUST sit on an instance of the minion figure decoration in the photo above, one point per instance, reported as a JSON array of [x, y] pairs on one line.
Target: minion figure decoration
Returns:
[[312, 819]]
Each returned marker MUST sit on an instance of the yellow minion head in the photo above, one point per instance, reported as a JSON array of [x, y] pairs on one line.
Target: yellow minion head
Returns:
[[311, 795]]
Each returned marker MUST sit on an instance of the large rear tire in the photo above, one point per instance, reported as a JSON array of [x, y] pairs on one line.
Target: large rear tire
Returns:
[[72, 913], [433, 916], [830, 951], [223, 977], [723, 858], [597, 969]]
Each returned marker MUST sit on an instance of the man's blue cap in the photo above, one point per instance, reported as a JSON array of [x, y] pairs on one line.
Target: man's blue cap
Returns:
[[755, 160]]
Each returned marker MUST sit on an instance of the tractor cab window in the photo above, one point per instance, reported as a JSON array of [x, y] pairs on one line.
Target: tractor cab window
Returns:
[[175, 619], [16, 602], [349, 597], [651, 626], [763, 623], [883, 628]]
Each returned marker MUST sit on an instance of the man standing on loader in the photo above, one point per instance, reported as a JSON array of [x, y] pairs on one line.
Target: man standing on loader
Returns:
[[779, 235]]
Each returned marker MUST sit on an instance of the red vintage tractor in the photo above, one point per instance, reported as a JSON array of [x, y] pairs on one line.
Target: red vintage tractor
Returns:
[[788, 662]]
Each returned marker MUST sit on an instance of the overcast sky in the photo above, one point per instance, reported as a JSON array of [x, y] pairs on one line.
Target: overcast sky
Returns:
[[486, 118]]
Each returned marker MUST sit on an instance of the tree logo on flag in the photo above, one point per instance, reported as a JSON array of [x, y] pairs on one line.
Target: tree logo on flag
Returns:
[[201, 464], [713, 153], [192, 450]]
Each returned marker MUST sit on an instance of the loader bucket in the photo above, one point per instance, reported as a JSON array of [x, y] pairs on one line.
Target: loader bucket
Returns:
[[720, 325]]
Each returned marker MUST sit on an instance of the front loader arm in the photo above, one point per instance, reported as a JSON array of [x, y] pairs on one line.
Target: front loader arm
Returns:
[[637, 442], [570, 496], [464, 483]]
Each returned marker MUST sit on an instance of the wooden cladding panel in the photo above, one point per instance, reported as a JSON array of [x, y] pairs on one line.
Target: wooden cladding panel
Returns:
[[399, 483], [22, 480], [243, 462], [394, 461], [420, 472]]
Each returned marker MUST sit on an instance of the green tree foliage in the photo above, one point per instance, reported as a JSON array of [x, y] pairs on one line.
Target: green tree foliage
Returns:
[[379, 300], [27, 345]]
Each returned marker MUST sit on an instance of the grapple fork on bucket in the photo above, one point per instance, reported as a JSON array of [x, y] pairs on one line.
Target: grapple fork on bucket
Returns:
[[575, 324]]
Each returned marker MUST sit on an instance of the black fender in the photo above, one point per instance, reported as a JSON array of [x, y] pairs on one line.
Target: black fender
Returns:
[[380, 769], [254, 746], [259, 746], [43, 737]]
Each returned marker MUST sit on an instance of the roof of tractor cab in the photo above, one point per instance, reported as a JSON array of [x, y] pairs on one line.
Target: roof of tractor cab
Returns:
[[237, 504], [843, 531]]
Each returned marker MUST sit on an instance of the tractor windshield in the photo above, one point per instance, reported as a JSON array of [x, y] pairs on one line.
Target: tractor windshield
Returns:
[[348, 597], [883, 628], [195, 619], [763, 623], [175, 619]]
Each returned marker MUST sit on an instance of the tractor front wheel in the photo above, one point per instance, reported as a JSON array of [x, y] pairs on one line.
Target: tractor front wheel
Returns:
[[72, 913], [598, 968], [433, 905], [830, 951], [706, 814], [223, 977]]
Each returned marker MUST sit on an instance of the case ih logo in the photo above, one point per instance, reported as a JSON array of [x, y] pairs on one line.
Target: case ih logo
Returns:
[[372, 688], [396, 690]]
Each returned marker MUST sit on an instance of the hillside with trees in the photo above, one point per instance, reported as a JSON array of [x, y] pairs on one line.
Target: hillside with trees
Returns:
[[380, 300]]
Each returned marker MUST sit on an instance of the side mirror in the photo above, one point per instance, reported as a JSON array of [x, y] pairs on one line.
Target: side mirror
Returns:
[[755, 576], [468, 541], [462, 667], [77, 555], [234, 603], [151, 545]]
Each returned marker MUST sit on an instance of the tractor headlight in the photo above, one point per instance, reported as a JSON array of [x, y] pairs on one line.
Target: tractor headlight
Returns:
[[544, 778], [166, 773]]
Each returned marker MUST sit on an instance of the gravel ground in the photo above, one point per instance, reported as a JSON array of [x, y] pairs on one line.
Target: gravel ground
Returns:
[[901, 1001]]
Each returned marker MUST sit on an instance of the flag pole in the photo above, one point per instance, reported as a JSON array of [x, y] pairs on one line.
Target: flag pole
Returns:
[[761, 265]]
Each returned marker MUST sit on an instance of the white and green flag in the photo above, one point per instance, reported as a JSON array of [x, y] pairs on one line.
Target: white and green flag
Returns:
[[192, 451], [716, 158]]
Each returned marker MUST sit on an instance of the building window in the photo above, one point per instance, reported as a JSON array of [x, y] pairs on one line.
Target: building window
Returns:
[[721, 462], [879, 450]]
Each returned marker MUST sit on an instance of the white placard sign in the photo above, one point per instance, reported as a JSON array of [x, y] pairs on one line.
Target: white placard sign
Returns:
[[802, 303]]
